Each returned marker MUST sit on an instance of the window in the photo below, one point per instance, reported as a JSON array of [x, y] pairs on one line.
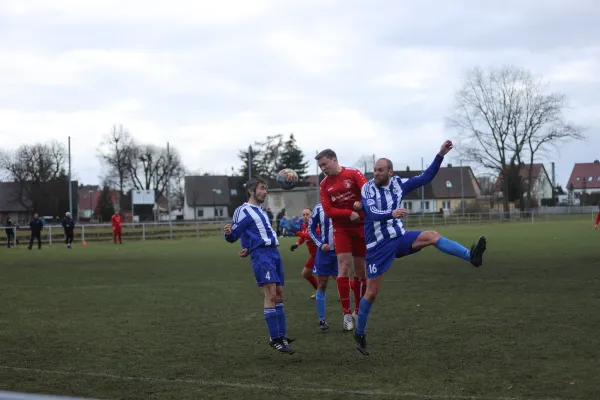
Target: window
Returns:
[[590, 178], [448, 184], [234, 192], [577, 178], [408, 205], [427, 205], [200, 213], [220, 212]]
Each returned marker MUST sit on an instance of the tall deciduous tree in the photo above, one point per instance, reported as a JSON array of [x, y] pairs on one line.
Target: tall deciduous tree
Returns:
[[252, 154], [505, 116], [115, 154]]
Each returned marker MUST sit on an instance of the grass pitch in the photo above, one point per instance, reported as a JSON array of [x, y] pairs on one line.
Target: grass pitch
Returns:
[[183, 320]]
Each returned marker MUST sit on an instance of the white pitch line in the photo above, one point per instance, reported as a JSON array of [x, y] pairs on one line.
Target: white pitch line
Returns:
[[246, 386]]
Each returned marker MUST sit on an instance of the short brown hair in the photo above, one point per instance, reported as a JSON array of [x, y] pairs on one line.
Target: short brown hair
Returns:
[[252, 184], [326, 153]]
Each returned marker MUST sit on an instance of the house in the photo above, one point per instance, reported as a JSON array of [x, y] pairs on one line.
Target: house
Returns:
[[10, 206], [207, 197], [542, 184], [585, 177], [417, 201]]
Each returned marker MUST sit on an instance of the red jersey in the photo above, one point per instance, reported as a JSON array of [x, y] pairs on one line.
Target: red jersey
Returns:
[[598, 218], [338, 195], [305, 237], [116, 221]]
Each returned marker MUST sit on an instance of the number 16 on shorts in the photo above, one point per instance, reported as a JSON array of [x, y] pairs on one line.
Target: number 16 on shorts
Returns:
[[372, 269]]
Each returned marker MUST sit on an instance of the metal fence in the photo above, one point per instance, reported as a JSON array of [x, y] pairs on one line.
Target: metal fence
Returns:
[[54, 234]]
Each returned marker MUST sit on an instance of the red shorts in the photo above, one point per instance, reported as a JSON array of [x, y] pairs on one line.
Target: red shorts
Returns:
[[350, 240], [310, 263]]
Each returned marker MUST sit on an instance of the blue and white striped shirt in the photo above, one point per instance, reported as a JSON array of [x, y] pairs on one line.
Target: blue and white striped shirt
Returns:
[[323, 222], [251, 224], [379, 202]]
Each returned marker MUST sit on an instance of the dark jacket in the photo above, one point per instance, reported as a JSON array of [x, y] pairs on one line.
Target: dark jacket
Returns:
[[36, 225], [9, 226], [68, 224]]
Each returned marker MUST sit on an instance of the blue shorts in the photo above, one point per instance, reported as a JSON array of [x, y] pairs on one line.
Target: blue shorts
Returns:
[[380, 257], [267, 265], [326, 263]]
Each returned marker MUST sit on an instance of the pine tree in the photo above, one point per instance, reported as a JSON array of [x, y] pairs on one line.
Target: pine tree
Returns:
[[105, 208], [292, 157]]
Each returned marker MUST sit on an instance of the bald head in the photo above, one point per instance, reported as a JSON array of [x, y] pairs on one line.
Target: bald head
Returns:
[[383, 171]]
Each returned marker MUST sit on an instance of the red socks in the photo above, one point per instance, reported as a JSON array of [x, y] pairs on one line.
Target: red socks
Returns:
[[343, 284], [313, 281], [359, 288]]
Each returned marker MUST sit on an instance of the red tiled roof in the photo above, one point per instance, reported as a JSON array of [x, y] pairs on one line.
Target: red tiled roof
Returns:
[[585, 172]]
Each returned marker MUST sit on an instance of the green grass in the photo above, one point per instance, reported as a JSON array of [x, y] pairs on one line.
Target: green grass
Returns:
[[183, 320]]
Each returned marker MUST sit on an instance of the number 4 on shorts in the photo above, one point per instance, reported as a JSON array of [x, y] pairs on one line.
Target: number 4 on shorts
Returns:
[[372, 269], [268, 275]]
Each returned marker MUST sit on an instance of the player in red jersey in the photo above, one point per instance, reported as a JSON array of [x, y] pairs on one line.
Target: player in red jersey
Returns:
[[597, 219], [341, 201], [307, 271], [116, 222]]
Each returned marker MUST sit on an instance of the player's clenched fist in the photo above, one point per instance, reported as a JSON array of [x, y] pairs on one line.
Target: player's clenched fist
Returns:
[[446, 147], [227, 229], [399, 213], [243, 253], [357, 206]]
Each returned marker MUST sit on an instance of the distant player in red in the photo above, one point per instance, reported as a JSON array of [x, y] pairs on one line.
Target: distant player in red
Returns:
[[597, 220], [307, 271], [116, 222], [341, 201]]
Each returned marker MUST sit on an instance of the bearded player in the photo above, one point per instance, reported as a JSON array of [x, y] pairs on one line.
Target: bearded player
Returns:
[[341, 201], [307, 271], [386, 237], [117, 223]]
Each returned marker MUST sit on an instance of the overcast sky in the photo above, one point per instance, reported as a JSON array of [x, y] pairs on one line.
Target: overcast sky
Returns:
[[360, 77]]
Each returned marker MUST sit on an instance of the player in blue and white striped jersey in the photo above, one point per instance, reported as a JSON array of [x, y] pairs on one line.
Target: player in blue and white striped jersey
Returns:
[[386, 237], [320, 230], [259, 241]]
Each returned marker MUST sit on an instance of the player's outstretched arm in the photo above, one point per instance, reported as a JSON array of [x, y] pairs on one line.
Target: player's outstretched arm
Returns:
[[417, 181], [372, 212]]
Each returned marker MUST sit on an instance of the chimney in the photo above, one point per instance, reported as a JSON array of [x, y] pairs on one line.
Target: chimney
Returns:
[[449, 165], [596, 161], [407, 168]]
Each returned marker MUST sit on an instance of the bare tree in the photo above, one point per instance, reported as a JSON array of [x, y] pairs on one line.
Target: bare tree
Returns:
[[178, 189], [504, 114], [150, 167], [115, 154], [267, 155], [37, 168]]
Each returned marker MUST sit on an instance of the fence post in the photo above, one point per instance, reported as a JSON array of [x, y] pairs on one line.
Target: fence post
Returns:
[[197, 229], [50, 235], [143, 231], [82, 233]]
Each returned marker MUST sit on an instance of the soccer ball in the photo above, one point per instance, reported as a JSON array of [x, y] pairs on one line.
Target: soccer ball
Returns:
[[287, 179]]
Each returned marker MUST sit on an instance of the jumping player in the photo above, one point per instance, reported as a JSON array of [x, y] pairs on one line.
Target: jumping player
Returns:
[[340, 199], [326, 263], [117, 223], [307, 271], [385, 234], [259, 241]]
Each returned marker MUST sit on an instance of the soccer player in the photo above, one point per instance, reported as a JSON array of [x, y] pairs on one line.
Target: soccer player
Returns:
[[36, 225], [69, 227], [385, 234], [340, 199], [10, 232], [307, 271], [117, 223], [597, 219], [326, 262], [259, 241]]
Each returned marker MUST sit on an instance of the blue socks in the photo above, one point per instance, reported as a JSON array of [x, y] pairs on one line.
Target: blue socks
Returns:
[[363, 315], [321, 305], [281, 319], [454, 249], [272, 320]]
